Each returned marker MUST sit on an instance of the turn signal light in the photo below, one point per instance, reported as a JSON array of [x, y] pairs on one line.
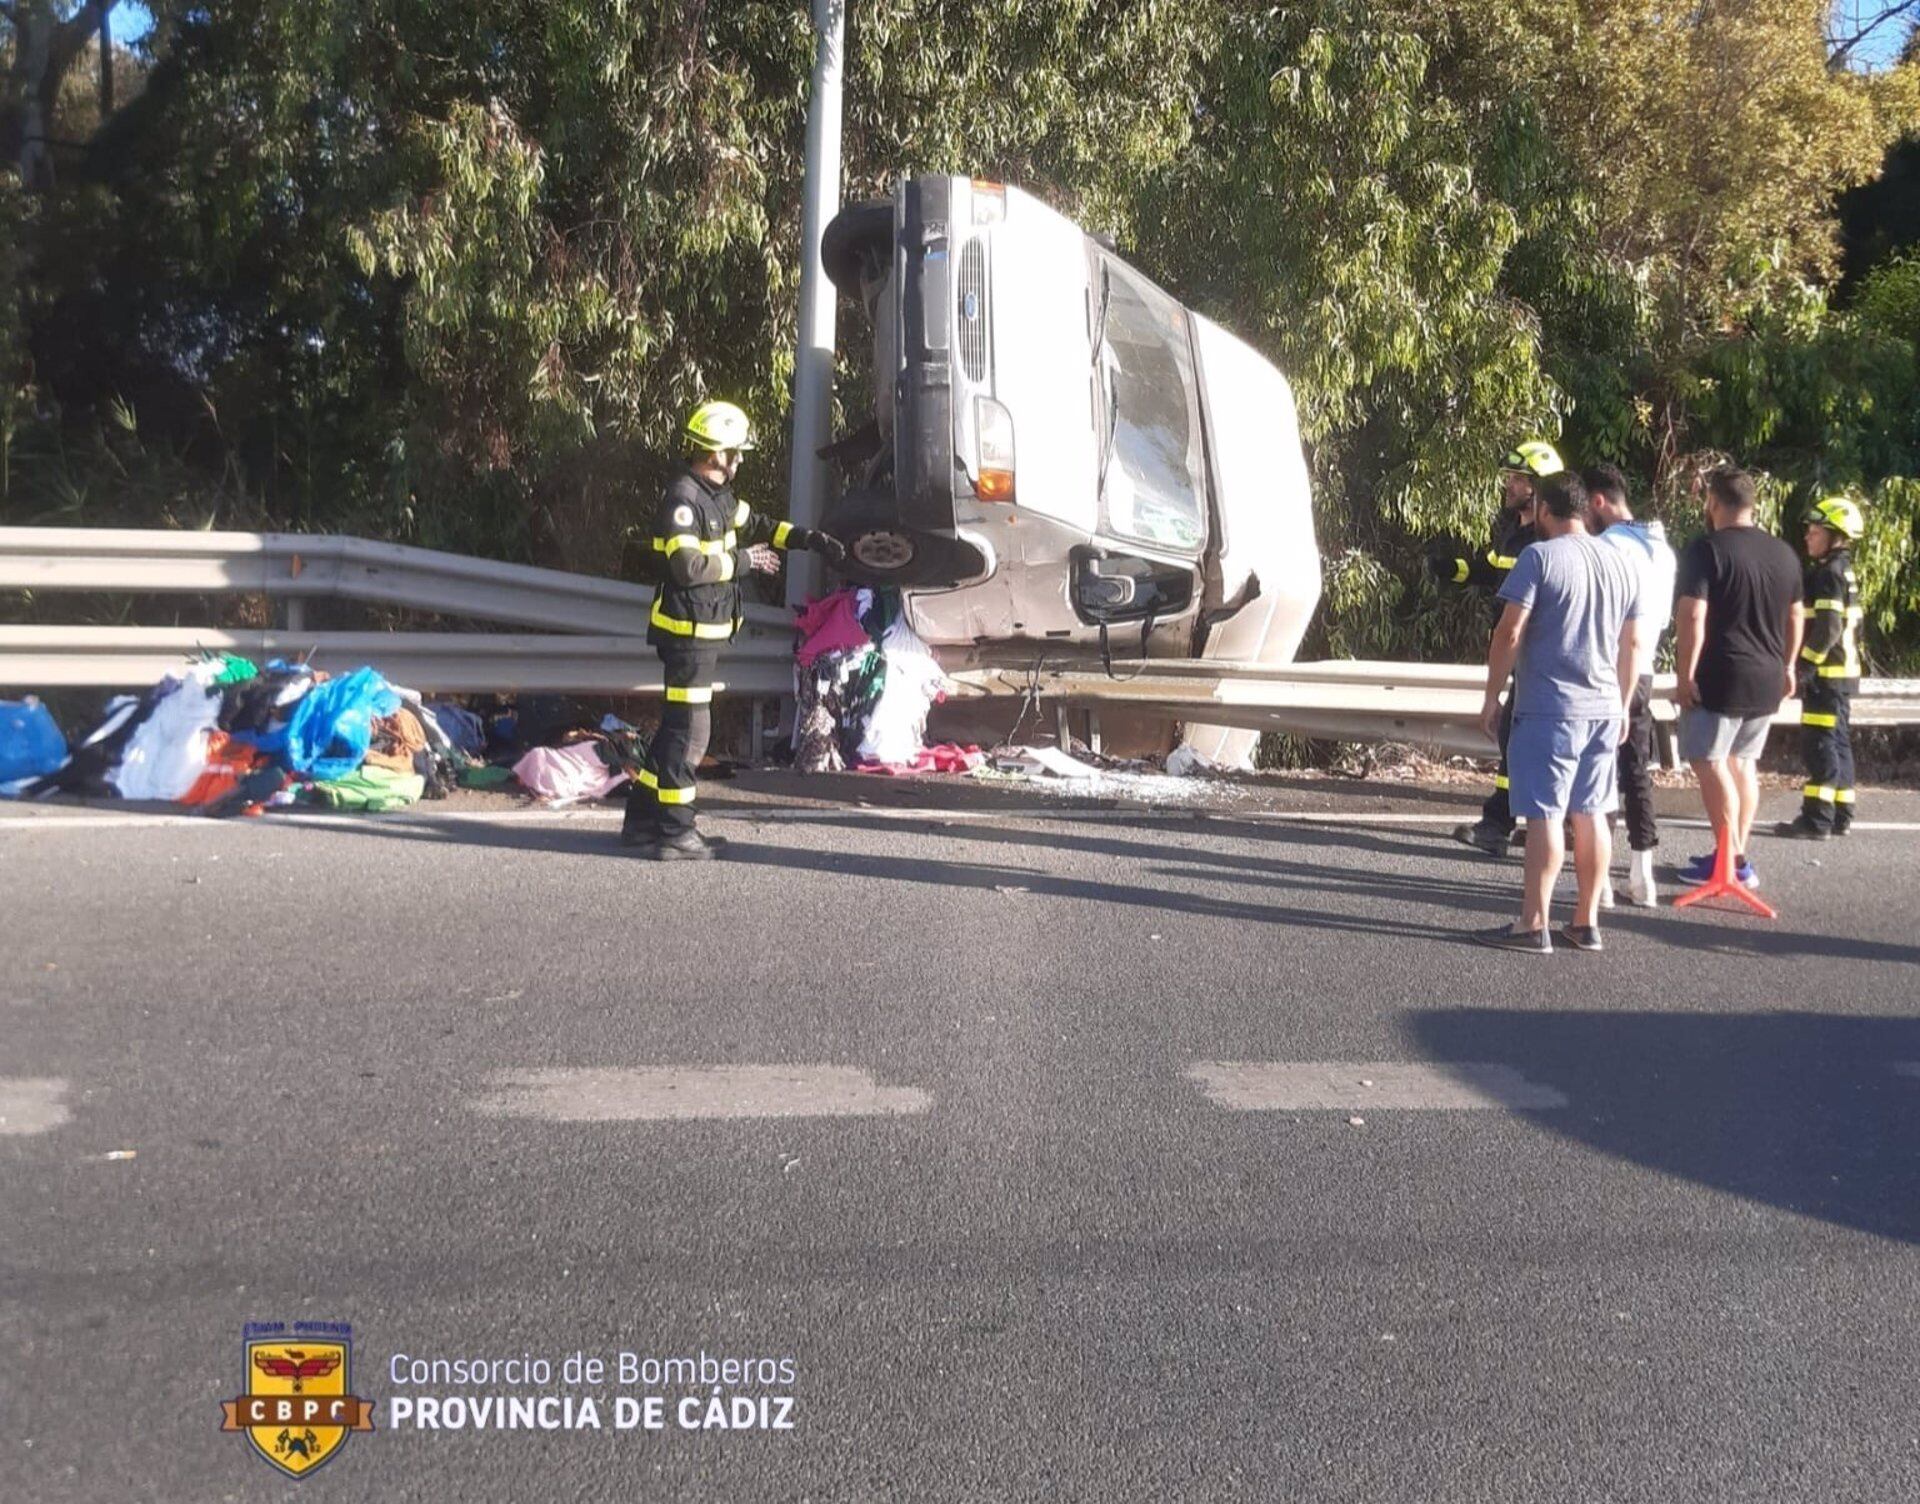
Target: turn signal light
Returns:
[[994, 485]]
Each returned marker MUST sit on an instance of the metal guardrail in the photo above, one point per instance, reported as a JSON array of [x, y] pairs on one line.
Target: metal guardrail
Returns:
[[302, 566], [1434, 704], [437, 662]]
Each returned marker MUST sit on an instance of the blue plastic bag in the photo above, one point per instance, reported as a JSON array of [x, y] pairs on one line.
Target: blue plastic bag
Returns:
[[31, 745], [329, 730]]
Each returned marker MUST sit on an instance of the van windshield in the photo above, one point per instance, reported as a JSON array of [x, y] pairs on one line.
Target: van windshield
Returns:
[[1155, 477]]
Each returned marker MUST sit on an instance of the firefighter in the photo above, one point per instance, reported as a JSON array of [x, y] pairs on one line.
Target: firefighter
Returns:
[[708, 539], [1829, 672], [1520, 472]]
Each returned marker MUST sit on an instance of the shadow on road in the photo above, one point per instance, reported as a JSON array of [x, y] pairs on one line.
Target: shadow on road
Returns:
[[1808, 1112]]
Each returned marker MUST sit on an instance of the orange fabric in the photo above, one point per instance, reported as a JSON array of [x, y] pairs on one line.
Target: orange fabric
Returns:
[[228, 762]]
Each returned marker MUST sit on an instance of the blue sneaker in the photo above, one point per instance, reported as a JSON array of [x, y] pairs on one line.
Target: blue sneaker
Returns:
[[1700, 869]]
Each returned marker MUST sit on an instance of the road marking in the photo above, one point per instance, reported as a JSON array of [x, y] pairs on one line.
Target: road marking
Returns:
[[31, 1104], [1907, 1068], [1384, 1085], [786, 814], [671, 1093]]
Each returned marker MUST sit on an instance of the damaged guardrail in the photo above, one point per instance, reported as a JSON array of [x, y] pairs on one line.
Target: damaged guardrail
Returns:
[[1432, 704]]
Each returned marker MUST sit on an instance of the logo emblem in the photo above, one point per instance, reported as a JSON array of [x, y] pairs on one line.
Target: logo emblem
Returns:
[[297, 1408], [970, 307], [683, 516]]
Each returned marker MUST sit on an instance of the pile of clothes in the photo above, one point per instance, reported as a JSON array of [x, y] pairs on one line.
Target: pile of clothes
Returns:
[[863, 682], [225, 736]]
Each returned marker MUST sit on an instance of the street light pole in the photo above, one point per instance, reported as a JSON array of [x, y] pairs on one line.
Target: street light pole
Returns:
[[813, 360]]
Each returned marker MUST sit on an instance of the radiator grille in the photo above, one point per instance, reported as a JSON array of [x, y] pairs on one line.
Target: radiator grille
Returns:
[[971, 311]]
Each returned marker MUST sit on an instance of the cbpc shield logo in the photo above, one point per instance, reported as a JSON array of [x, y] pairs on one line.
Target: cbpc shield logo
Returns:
[[297, 1406]]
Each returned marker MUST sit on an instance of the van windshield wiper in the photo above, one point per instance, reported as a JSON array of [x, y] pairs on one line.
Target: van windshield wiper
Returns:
[[1100, 316]]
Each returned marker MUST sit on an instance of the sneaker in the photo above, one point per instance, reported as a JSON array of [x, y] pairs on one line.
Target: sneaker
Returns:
[[1606, 894], [1701, 868], [1582, 936], [1800, 828], [1527, 942], [1641, 889], [1482, 837]]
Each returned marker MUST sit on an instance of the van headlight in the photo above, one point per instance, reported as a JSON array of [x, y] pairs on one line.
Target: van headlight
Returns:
[[993, 425]]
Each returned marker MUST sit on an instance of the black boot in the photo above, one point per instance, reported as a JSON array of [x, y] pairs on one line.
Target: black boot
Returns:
[[1482, 837], [690, 847], [1800, 828]]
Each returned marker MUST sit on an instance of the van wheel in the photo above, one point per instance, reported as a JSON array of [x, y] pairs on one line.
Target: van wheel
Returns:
[[857, 235], [883, 550]]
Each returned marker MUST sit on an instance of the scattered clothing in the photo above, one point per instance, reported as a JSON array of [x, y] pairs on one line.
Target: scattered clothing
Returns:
[[462, 727], [947, 757], [566, 775], [329, 730], [830, 625], [397, 741], [227, 765], [372, 790], [168, 749]]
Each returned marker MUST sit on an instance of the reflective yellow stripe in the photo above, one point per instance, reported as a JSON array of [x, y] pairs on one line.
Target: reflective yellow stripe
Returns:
[[698, 545], [1824, 792], [741, 513], [667, 796], [1843, 796], [729, 566], [1500, 780], [1829, 605], [1839, 671], [1459, 571], [705, 630], [688, 696], [781, 533], [1812, 657], [1817, 718], [1501, 561]]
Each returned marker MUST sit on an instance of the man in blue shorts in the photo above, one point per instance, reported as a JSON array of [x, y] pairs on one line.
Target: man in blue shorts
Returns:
[[1569, 635]]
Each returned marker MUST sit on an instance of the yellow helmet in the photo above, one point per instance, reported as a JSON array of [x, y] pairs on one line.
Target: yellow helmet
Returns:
[[1536, 457], [1841, 513], [715, 426]]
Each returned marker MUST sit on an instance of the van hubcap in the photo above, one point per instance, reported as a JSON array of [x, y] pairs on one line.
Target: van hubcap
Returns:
[[883, 550]]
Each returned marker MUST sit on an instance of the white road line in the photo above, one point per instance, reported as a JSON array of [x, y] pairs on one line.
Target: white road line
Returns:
[[32, 1104], [782, 814], [1907, 1068], [1356, 1085], [678, 1093]]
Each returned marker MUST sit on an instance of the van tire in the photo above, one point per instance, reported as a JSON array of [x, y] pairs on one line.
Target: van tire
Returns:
[[882, 550], [855, 234]]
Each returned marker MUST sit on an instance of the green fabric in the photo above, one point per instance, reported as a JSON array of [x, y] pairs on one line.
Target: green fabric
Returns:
[[233, 669], [372, 789], [484, 776]]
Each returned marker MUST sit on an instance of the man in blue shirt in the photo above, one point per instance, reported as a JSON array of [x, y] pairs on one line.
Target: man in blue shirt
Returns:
[[1569, 637]]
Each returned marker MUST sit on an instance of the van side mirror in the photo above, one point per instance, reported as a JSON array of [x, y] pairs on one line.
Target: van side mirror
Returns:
[[1110, 588]]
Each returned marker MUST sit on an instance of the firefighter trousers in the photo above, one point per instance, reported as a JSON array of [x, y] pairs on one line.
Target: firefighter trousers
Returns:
[[661, 800], [1826, 744], [1636, 768], [1497, 812]]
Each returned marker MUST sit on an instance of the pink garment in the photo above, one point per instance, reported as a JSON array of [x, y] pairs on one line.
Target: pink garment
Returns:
[[830, 625], [566, 774], [947, 757]]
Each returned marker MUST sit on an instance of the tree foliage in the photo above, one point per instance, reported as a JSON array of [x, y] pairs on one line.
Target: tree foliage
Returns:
[[451, 272]]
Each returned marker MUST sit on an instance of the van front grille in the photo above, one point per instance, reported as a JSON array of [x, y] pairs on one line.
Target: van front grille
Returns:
[[971, 311]]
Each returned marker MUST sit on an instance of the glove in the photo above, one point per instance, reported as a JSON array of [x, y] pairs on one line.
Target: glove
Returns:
[[828, 547]]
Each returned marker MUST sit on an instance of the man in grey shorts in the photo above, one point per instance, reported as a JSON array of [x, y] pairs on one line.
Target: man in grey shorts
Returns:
[[1569, 635], [1739, 634]]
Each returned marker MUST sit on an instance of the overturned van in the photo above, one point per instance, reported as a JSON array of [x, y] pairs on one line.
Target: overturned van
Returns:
[[1061, 457]]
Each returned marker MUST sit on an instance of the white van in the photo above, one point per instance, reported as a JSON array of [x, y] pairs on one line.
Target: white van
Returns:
[[1062, 458]]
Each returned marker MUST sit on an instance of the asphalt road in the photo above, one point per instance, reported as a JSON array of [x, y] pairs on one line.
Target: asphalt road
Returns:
[[410, 1073]]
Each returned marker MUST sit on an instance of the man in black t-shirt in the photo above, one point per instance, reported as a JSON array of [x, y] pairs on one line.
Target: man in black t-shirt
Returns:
[[1739, 634]]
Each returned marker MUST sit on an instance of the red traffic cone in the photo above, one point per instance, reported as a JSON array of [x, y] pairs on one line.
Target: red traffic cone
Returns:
[[1721, 883]]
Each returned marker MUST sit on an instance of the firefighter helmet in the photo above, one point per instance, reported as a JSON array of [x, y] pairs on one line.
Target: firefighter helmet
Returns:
[[1536, 457], [715, 426], [1840, 513]]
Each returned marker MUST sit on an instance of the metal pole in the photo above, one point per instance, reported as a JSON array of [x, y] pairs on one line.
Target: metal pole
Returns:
[[813, 361]]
